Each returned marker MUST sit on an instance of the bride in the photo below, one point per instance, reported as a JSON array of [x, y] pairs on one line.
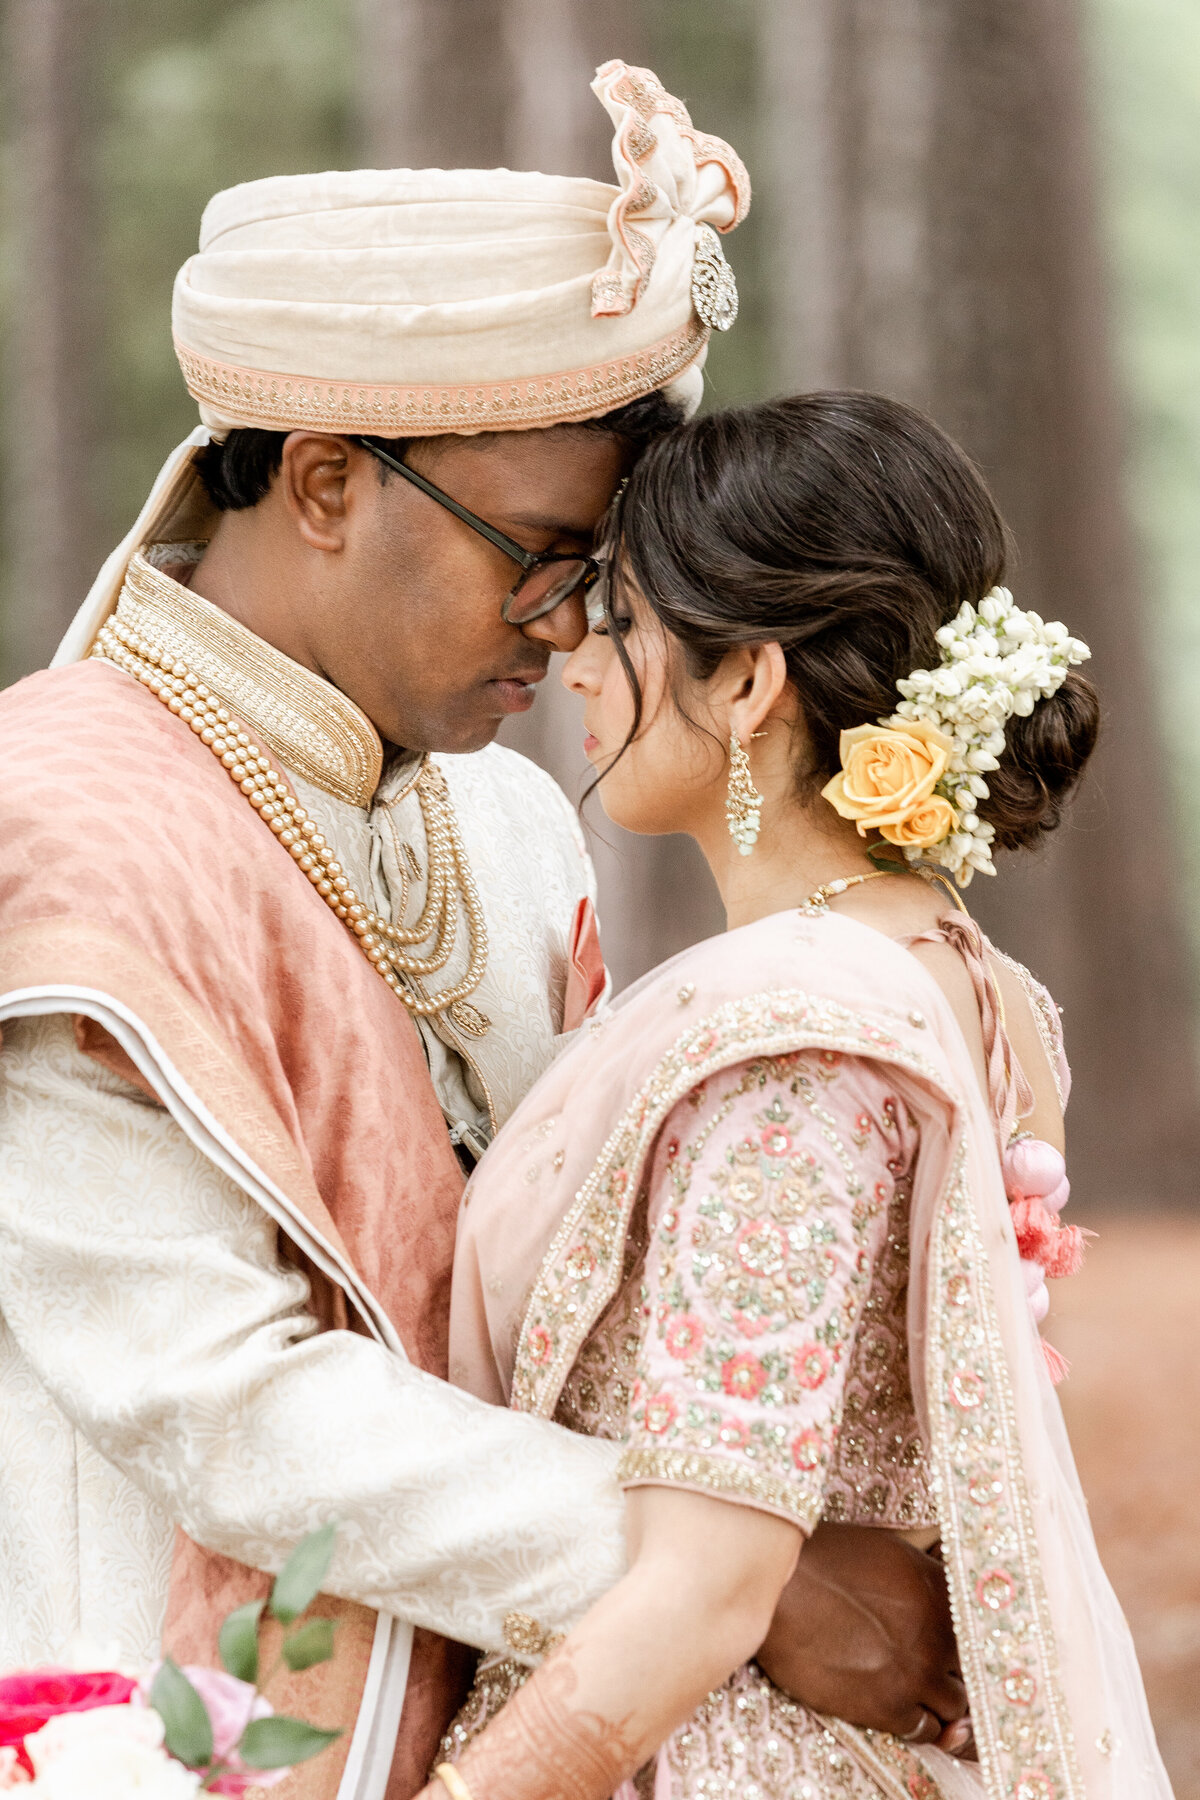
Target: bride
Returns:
[[754, 1223]]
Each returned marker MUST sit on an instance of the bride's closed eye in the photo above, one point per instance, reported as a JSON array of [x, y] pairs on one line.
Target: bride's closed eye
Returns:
[[600, 627]]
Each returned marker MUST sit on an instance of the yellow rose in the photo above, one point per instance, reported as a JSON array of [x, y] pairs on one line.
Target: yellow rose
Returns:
[[930, 823], [887, 773]]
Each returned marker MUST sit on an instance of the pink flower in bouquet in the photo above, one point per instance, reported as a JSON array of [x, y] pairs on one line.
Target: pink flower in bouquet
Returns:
[[30, 1698], [231, 1705]]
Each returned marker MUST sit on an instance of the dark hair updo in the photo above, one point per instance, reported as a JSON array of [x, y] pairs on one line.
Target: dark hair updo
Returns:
[[847, 528]]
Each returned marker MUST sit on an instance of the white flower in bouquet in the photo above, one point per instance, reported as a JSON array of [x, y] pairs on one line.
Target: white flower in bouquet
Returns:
[[109, 1753]]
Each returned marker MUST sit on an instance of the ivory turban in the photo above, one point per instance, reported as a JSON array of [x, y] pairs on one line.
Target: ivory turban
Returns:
[[409, 302]]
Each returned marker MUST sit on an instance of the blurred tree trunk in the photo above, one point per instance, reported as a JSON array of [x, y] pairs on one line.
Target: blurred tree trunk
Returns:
[[433, 84], [931, 175], [52, 521]]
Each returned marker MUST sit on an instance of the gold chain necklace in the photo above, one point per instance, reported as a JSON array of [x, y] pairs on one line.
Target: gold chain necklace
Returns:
[[382, 943], [818, 900]]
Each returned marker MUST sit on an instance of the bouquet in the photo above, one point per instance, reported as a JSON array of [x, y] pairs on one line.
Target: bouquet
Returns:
[[101, 1734]]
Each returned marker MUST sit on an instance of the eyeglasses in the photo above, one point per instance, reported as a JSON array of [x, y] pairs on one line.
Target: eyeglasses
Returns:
[[547, 577]]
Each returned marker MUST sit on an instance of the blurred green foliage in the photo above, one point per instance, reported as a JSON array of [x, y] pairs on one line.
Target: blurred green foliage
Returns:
[[704, 51], [199, 94], [1146, 62]]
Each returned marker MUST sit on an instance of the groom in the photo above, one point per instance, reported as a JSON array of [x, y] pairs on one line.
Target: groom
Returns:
[[269, 981]]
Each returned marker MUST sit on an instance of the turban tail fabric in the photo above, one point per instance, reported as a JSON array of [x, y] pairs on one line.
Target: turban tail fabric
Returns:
[[412, 303]]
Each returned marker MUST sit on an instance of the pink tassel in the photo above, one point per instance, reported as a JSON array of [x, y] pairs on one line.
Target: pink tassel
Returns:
[[1057, 1365], [1041, 1239], [1065, 1255], [1035, 1229]]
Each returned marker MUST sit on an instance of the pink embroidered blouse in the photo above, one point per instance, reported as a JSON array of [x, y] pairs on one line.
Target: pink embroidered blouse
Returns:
[[757, 1346]]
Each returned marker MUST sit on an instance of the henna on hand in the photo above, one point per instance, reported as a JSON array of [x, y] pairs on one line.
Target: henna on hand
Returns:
[[544, 1746]]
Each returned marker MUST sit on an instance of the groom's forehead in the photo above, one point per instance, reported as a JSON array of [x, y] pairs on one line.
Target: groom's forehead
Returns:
[[558, 481]]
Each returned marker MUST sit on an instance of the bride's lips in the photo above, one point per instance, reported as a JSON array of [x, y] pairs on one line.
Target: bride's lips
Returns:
[[590, 743]]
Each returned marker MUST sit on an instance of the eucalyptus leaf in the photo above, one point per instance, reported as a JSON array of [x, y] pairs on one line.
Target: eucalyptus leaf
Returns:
[[278, 1742], [312, 1643], [187, 1728], [238, 1642], [299, 1581]]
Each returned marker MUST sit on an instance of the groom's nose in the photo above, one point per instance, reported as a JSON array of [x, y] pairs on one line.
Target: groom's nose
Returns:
[[564, 628]]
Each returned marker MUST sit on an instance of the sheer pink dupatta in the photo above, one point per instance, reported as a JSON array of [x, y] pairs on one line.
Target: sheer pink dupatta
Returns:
[[1056, 1696]]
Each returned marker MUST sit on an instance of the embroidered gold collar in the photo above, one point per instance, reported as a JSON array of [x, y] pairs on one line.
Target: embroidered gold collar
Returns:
[[312, 727]]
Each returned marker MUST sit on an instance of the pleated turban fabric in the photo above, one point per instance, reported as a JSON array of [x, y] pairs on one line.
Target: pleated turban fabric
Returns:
[[413, 302]]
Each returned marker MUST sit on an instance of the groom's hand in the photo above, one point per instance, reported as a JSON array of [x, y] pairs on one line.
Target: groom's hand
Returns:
[[863, 1632]]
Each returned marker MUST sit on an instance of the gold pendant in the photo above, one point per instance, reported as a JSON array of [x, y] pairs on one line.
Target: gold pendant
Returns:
[[469, 1020]]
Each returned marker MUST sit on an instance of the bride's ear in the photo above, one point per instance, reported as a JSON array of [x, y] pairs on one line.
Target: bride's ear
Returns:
[[759, 687]]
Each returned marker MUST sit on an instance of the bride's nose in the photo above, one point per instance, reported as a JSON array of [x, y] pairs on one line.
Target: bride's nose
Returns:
[[582, 673]]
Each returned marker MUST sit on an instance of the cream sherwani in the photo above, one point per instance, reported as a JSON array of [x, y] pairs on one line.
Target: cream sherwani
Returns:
[[158, 1364]]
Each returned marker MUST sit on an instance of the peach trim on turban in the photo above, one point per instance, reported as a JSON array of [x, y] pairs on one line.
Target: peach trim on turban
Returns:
[[274, 402]]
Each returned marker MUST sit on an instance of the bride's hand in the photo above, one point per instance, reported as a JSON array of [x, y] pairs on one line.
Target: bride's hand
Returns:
[[863, 1632]]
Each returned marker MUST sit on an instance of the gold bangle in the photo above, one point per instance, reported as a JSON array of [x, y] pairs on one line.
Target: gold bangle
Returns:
[[453, 1782]]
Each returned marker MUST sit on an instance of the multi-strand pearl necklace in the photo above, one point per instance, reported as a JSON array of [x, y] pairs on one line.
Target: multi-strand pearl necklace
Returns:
[[382, 943]]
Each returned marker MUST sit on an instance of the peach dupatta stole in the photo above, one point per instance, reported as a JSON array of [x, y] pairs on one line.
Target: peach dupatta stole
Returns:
[[1056, 1695], [140, 892]]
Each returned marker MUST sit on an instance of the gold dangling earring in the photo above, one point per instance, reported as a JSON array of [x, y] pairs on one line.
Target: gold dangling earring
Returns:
[[743, 802]]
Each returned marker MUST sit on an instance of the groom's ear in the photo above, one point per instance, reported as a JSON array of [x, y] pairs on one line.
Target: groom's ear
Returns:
[[312, 481]]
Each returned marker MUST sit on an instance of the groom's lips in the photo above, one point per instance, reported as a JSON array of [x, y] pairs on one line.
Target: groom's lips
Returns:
[[515, 692]]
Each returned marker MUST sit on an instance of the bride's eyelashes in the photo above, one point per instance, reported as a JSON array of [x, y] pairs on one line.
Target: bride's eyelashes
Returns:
[[622, 626]]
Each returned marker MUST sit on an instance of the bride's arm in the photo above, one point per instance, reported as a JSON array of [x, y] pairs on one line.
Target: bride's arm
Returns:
[[767, 1202], [704, 1578]]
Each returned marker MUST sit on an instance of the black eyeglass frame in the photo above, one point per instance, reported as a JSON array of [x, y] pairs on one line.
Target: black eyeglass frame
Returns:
[[527, 560]]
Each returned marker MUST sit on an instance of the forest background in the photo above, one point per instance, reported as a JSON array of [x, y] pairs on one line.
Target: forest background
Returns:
[[988, 207]]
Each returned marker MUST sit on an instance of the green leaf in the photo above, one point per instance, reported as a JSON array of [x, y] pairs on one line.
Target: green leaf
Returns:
[[887, 857], [301, 1576], [312, 1644], [187, 1728], [238, 1642], [278, 1742]]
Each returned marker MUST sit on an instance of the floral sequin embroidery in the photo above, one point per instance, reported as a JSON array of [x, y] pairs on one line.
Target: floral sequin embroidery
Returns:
[[1003, 1625], [754, 1281]]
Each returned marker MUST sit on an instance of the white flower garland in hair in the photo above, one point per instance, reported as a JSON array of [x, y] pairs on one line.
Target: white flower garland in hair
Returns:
[[918, 777]]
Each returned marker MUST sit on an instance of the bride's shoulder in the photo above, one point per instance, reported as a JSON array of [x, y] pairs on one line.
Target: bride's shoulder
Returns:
[[822, 960], [1034, 1024]]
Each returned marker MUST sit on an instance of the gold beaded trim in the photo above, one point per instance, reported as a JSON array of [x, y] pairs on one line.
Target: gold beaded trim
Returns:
[[382, 943], [311, 725], [802, 1499], [526, 1636], [291, 402]]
